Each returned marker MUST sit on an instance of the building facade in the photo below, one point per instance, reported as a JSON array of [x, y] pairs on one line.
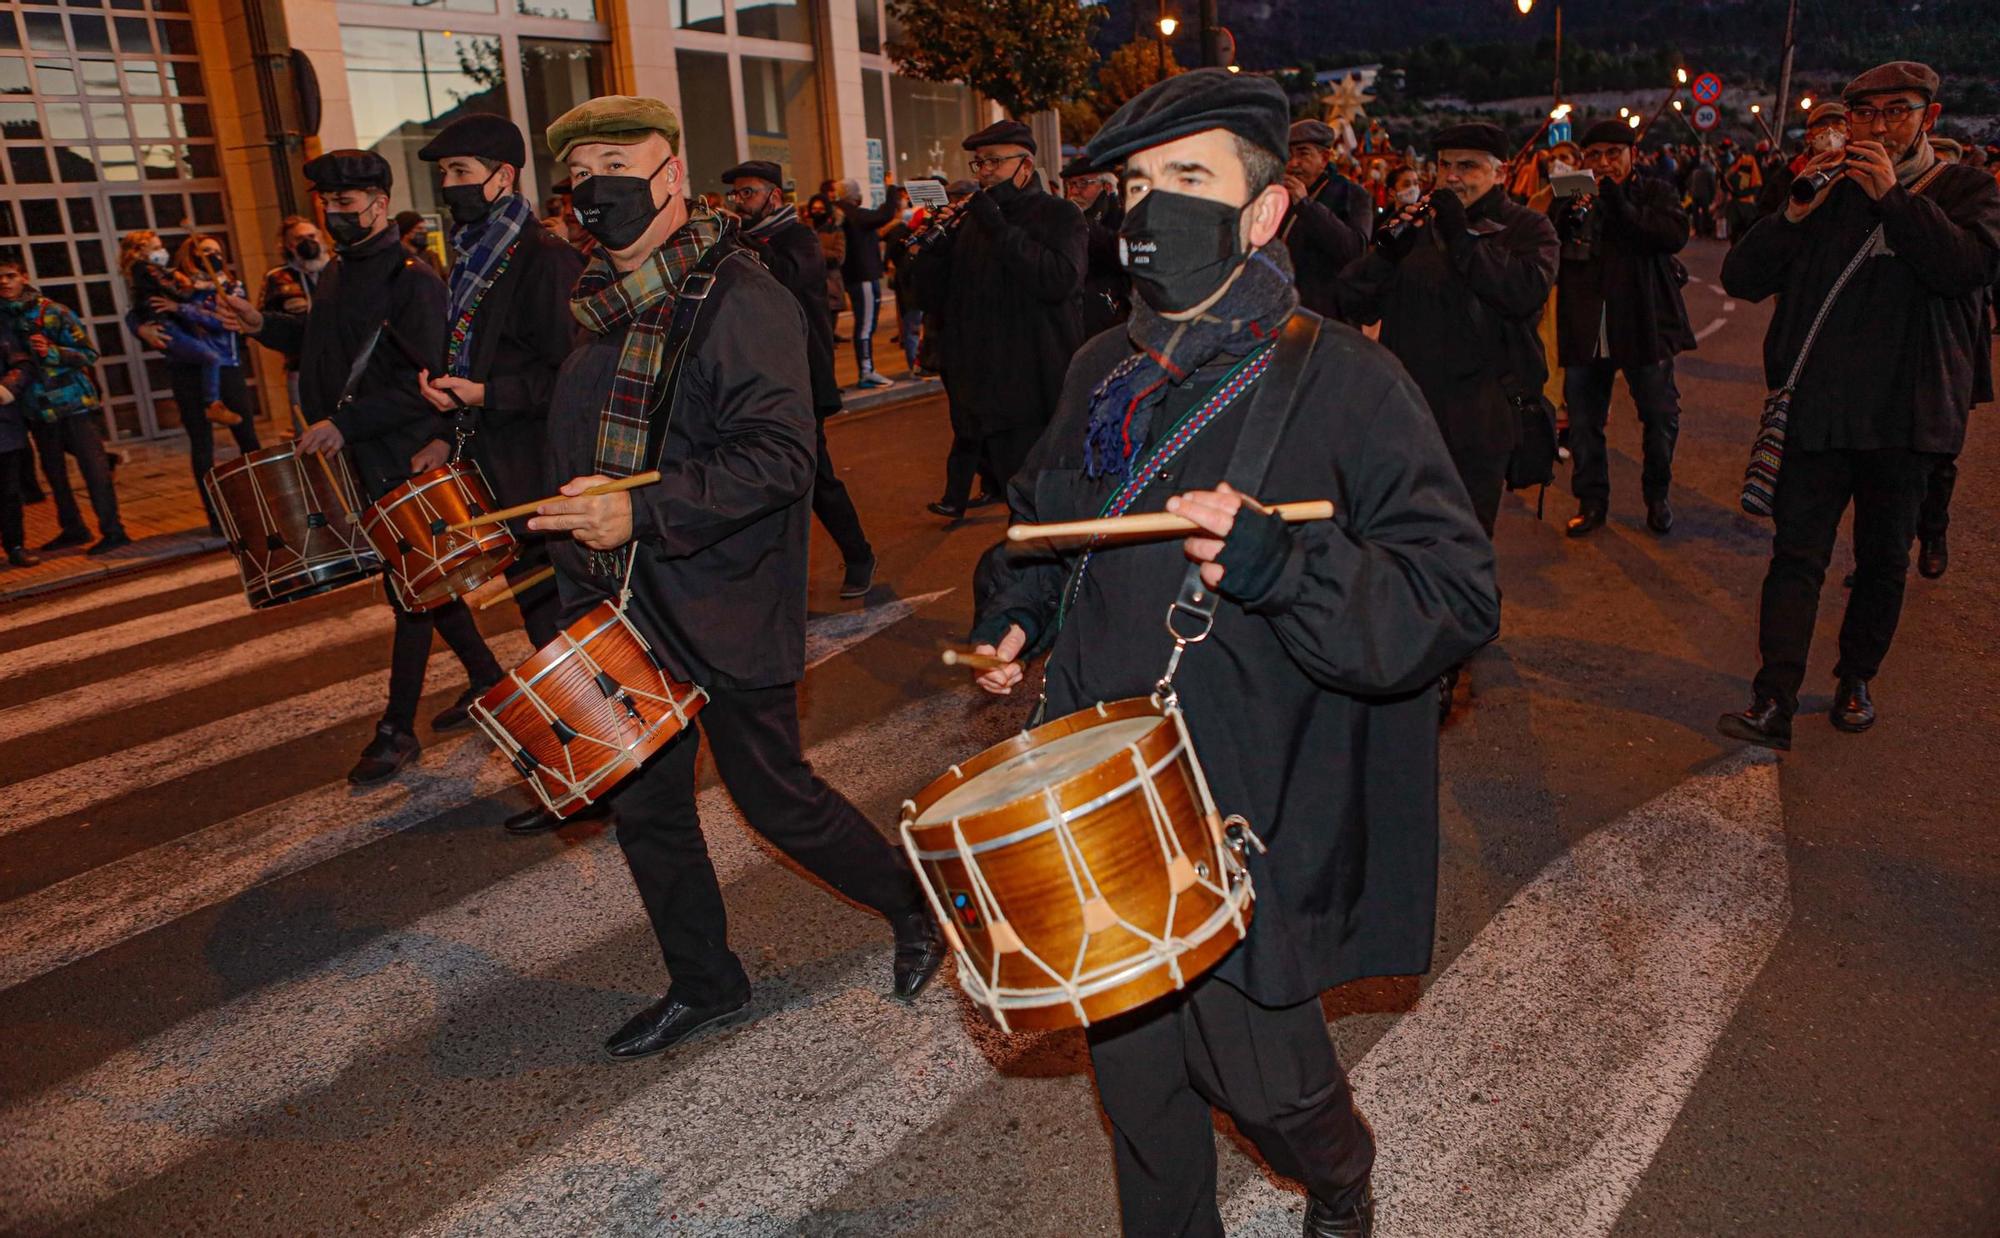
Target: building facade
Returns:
[[196, 115]]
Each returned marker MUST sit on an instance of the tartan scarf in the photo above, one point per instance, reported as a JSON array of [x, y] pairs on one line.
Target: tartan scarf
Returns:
[[483, 250], [772, 222], [641, 300]]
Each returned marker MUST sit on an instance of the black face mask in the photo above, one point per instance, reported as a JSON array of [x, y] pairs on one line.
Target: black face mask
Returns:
[[307, 250], [616, 210], [1179, 249], [346, 228], [467, 203]]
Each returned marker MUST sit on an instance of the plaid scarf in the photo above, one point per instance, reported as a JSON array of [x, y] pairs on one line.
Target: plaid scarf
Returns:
[[772, 222], [643, 301], [483, 251]]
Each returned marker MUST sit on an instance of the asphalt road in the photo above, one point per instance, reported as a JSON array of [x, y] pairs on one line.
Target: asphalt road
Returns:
[[1680, 988]]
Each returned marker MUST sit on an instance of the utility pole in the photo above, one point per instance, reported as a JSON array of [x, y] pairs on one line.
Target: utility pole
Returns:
[[1783, 109], [1211, 31]]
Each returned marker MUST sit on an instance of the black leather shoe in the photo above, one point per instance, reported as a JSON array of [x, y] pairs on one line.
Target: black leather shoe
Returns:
[[108, 543], [1589, 519], [1853, 712], [67, 538], [1660, 516], [18, 556], [985, 499], [920, 952], [1933, 557], [668, 1022], [458, 714], [1354, 1218], [859, 577], [946, 510], [388, 752], [1763, 723], [539, 820]]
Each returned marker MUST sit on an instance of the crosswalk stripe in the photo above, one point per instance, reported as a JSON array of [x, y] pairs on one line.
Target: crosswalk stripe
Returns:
[[78, 601], [77, 1143], [75, 647]]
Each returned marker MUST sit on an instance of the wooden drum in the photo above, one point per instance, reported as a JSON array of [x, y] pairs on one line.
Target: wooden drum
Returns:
[[430, 563], [586, 710], [290, 522], [1080, 870]]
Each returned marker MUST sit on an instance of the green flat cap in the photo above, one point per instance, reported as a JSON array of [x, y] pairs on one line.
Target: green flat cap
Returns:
[[620, 120]]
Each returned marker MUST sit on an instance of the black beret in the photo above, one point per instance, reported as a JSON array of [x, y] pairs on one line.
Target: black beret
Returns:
[[1616, 132], [1313, 133], [1253, 108], [1897, 75], [349, 169], [1475, 136], [480, 135], [1002, 133], [1080, 166], [760, 169]]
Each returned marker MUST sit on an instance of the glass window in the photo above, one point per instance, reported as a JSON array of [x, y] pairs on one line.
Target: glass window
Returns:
[[149, 120], [142, 77], [100, 77], [93, 34], [45, 32], [168, 212], [55, 77], [556, 75], [208, 210], [19, 121], [135, 34], [51, 259], [42, 217], [193, 120], [182, 77], [698, 15], [29, 164], [13, 76], [932, 118], [116, 163], [708, 130], [102, 304], [10, 34], [874, 114], [453, 6], [868, 20], [781, 116], [109, 120], [75, 165], [785, 20], [82, 215], [408, 84], [128, 212], [66, 121], [567, 10], [176, 36]]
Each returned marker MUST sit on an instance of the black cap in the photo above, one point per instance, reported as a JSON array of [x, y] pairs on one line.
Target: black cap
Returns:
[[349, 169], [760, 169], [1002, 133], [1475, 136], [1616, 132], [1080, 166], [480, 135], [1253, 108]]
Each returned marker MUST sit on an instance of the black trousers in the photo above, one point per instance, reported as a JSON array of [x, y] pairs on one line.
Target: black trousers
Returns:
[[14, 469], [835, 508], [1162, 1068], [753, 735], [186, 382], [1814, 489], [1484, 474], [995, 457], [410, 654], [1587, 389], [75, 434], [1934, 517]]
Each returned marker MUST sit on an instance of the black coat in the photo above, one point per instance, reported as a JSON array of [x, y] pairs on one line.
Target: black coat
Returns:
[[1904, 353], [1314, 706], [1352, 204], [1105, 299], [719, 589], [522, 331], [1461, 311], [1321, 245], [793, 254], [388, 421], [862, 225], [1006, 283], [1628, 282]]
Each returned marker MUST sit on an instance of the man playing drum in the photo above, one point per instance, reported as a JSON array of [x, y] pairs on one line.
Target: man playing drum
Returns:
[[714, 553], [1309, 702]]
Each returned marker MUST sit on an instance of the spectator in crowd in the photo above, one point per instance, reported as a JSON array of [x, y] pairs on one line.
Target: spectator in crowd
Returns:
[[1702, 188], [567, 225], [159, 290], [1883, 397], [1311, 162], [1742, 182], [416, 233], [60, 406], [823, 217], [1319, 240], [199, 263], [15, 460], [895, 254], [861, 273], [1106, 297], [288, 286]]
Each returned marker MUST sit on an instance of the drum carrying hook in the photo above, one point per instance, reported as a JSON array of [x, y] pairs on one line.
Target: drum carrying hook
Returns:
[[1194, 599]]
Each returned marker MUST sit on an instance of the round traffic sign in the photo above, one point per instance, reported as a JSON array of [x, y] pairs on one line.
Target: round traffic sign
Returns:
[[1706, 117], [1707, 89]]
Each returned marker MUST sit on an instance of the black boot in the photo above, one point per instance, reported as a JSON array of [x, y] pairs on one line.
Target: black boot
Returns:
[[1933, 557], [1353, 1217], [1589, 519], [919, 953], [668, 1022], [1659, 516], [390, 750], [1765, 723], [857, 578], [1853, 711], [18, 556], [459, 713], [539, 820]]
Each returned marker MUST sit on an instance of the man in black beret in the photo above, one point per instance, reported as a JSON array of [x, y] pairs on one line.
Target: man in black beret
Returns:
[[1619, 309], [1003, 280], [792, 252], [1321, 240], [1309, 159], [1325, 638], [1881, 401], [1106, 296]]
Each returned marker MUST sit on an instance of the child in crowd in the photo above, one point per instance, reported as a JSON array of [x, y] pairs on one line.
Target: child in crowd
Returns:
[[145, 263]]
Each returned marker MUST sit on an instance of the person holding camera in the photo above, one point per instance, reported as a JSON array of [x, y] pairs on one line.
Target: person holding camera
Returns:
[[1889, 254], [1619, 309]]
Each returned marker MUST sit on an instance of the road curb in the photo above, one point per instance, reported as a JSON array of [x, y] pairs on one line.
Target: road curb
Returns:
[[857, 401], [183, 548]]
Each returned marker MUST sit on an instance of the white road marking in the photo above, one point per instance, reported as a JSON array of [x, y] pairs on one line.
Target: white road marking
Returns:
[[77, 601], [63, 650], [1709, 330], [1532, 1085]]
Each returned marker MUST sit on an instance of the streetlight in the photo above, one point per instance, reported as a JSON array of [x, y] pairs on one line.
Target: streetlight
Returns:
[[1526, 7], [1681, 75], [1805, 103], [1632, 121], [1166, 26], [1623, 112]]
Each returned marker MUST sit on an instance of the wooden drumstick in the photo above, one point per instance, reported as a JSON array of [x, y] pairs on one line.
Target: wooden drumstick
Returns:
[[1156, 523], [518, 588], [977, 661], [528, 509]]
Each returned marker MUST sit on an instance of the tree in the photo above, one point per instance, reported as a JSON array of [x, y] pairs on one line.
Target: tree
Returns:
[[1130, 70], [1025, 55]]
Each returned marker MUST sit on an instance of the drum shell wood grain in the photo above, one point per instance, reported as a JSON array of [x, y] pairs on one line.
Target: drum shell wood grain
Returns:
[[564, 681], [1117, 841], [290, 523], [429, 563]]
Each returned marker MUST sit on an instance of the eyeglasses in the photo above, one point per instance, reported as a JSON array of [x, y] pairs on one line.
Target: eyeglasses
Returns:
[[1894, 114], [980, 163], [743, 193]]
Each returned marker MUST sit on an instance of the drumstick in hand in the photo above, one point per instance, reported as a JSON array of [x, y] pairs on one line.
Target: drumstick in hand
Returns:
[[517, 589], [1156, 523], [528, 509], [977, 661]]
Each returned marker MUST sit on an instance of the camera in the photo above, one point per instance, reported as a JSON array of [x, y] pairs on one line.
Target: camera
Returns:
[[1421, 214]]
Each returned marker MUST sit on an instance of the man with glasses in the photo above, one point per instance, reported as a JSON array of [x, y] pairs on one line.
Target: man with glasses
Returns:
[[1900, 358], [1619, 309], [1005, 277], [791, 251]]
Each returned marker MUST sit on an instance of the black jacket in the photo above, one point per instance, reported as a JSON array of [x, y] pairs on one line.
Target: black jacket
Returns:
[[1627, 284], [363, 286], [719, 589], [1105, 300], [1350, 203], [1904, 352], [1321, 245], [864, 242], [793, 254], [1313, 707], [1460, 311], [1006, 283]]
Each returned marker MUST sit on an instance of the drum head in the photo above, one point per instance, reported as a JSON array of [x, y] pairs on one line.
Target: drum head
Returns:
[[1026, 774]]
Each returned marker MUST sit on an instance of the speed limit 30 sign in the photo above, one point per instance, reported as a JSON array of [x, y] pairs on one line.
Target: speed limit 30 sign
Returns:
[[1706, 117]]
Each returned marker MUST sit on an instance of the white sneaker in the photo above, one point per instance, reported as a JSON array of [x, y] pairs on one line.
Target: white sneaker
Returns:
[[874, 379]]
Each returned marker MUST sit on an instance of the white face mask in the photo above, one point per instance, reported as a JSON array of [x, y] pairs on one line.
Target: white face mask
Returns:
[[1409, 194], [158, 257]]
